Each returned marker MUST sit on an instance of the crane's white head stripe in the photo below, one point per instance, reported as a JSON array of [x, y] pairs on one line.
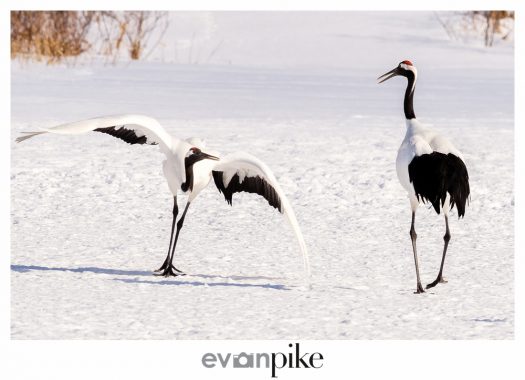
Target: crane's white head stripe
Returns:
[[409, 67]]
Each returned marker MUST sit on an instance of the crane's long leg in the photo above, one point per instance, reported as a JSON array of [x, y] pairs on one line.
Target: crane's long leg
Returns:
[[175, 213], [413, 236], [446, 238], [170, 270]]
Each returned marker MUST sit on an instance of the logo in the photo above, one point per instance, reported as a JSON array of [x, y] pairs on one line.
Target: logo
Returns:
[[275, 360]]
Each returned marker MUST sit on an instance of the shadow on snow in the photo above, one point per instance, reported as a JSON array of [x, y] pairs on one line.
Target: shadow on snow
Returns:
[[200, 283], [122, 272]]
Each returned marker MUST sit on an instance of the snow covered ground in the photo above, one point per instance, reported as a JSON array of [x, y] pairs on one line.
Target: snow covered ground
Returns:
[[91, 214]]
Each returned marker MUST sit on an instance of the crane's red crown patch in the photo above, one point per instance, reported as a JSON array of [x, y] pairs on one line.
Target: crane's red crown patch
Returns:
[[407, 62]]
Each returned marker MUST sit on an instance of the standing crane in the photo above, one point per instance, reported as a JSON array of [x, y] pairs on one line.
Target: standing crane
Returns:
[[429, 167], [189, 170]]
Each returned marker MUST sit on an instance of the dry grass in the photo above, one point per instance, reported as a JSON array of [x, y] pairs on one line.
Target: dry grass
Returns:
[[131, 30], [49, 35], [486, 25], [493, 24], [52, 36]]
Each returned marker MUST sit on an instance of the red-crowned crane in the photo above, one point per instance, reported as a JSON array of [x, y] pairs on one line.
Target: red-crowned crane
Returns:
[[429, 167], [188, 169]]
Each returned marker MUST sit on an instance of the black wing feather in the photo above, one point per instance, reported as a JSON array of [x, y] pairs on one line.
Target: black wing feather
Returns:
[[128, 135], [255, 185], [436, 174]]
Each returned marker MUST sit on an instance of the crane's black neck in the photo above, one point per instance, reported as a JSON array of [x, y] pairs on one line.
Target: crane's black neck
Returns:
[[188, 166], [408, 104]]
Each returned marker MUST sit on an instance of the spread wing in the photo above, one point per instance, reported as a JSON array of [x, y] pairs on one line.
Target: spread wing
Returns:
[[133, 129], [241, 171]]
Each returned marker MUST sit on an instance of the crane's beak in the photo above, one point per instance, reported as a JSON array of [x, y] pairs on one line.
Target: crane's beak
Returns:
[[387, 76], [203, 156]]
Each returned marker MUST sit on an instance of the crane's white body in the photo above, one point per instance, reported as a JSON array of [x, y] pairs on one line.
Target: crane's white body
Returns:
[[176, 150], [420, 140]]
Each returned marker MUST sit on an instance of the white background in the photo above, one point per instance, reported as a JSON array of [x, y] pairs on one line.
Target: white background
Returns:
[[369, 359]]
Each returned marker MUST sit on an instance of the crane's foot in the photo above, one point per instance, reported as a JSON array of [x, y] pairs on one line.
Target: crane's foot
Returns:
[[419, 289], [170, 271], [164, 266], [438, 280]]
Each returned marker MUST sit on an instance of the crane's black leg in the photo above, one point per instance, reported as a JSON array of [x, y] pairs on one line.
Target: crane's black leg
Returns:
[[413, 236], [446, 238], [170, 270], [175, 212]]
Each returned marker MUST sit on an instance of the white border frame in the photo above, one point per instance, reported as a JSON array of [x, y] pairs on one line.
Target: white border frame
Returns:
[[181, 359]]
